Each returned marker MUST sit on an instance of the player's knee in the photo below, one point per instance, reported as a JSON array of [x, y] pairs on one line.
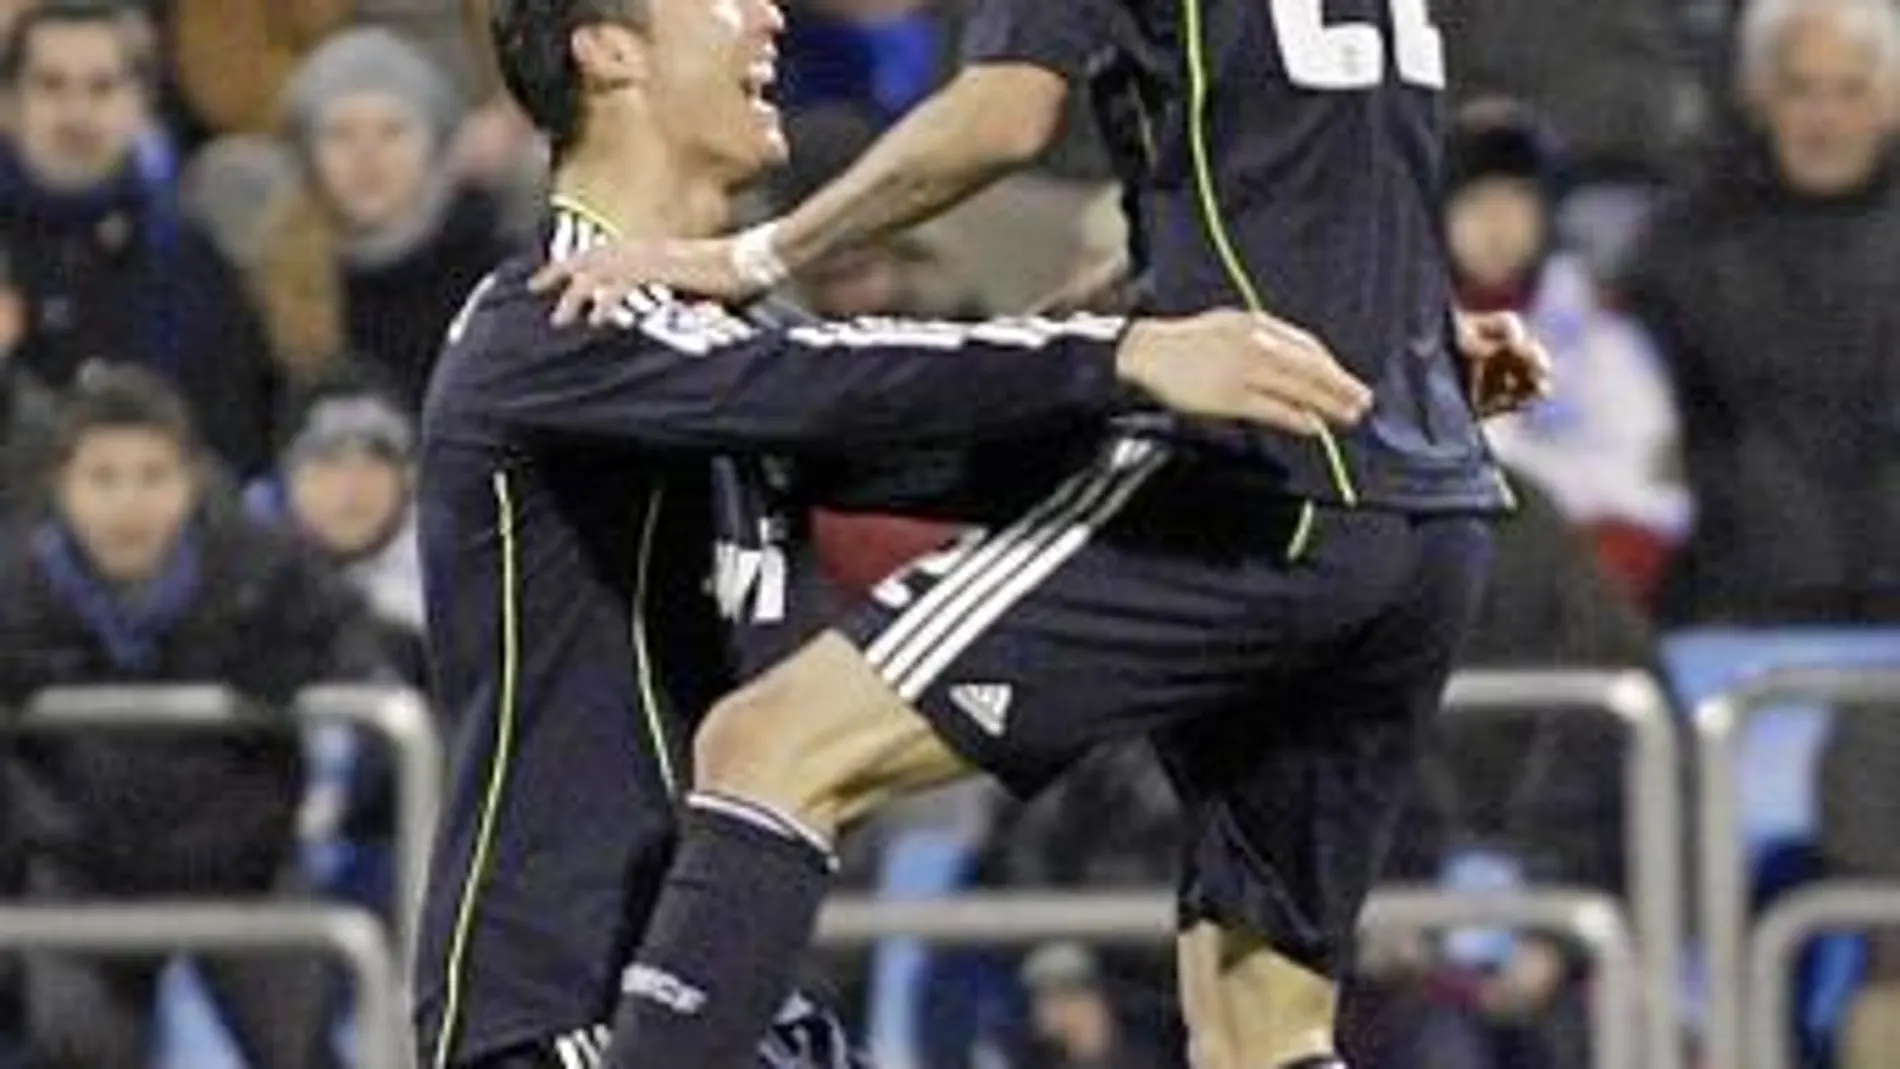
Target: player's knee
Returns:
[[760, 743], [734, 749]]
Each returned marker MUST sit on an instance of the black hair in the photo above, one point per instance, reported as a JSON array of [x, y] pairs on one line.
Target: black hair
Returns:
[[533, 48], [105, 14], [120, 397], [1497, 137]]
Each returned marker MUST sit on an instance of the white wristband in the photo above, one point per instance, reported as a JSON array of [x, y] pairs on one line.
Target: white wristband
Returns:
[[754, 259]]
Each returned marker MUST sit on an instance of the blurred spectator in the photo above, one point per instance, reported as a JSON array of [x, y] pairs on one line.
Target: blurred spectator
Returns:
[[136, 578], [1771, 292], [1606, 446], [376, 250], [348, 484], [345, 488], [109, 267], [233, 59], [1612, 74], [1075, 1024], [1535, 798]]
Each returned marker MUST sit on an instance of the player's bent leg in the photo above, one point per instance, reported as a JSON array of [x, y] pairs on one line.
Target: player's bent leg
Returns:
[[782, 765], [821, 739], [1248, 1007]]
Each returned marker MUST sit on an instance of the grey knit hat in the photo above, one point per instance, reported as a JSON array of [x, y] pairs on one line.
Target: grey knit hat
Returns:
[[370, 60]]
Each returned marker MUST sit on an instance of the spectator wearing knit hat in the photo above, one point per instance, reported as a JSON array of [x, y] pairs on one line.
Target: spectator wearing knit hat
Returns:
[[1605, 446], [347, 489], [374, 251]]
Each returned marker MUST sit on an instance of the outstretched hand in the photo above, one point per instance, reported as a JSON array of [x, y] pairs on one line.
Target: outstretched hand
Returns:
[[1509, 369], [596, 282]]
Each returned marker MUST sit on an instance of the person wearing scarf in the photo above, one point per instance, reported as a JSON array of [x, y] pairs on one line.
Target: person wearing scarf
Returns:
[[373, 251], [134, 577], [109, 267]]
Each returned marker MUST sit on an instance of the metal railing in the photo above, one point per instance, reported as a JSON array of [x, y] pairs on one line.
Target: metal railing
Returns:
[[398, 716], [1595, 921], [1779, 936], [350, 935], [1652, 815], [1719, 724]]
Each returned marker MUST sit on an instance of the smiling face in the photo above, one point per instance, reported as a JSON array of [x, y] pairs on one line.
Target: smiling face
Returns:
[[711, 65]]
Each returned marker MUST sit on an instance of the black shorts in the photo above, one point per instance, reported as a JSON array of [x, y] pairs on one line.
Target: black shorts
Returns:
[[1282, 657]]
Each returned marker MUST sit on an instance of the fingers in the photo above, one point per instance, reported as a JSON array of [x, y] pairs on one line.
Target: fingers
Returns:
[[1281, 415], [593, 285], [582, 290], [1302, 372]]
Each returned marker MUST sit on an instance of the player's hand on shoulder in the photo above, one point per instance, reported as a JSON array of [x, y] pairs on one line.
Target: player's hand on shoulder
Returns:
[[1509, 368], [594, 283], [1244, 366]]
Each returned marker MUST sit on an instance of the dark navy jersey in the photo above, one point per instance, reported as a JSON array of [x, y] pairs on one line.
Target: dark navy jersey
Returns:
[[1285, 154], [582, 538]]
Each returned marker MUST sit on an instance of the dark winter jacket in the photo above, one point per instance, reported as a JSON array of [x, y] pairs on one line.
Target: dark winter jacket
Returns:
[[1779, 326], [119, 274], [397, 312], [156, 812], [28, 413]]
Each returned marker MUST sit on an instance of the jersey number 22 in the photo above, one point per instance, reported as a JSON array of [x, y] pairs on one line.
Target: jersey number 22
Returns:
[[1346, 56]]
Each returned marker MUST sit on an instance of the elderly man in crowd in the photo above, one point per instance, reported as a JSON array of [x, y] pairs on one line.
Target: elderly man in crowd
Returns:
[[1771, 293]]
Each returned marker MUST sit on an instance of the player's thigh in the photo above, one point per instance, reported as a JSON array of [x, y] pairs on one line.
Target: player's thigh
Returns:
[[821, 736], [1115, 607]]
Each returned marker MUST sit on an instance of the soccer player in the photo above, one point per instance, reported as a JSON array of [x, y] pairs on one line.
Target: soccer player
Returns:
[[570, 480], [1279, 615]]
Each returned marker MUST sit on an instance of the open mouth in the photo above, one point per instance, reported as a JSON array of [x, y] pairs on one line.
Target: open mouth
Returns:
[[760, 77]]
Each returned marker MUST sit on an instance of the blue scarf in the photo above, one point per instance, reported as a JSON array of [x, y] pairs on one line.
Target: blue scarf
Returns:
[[130, 628], [140, 193]]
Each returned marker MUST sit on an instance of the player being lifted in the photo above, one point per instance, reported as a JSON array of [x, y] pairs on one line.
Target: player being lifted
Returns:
[[1278, 614], [567, 502]]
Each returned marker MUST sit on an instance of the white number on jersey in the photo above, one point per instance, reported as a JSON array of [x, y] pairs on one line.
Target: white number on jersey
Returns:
[[1346, 56]]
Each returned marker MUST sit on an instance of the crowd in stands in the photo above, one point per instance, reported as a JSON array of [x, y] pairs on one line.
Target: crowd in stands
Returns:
[[232, 234]]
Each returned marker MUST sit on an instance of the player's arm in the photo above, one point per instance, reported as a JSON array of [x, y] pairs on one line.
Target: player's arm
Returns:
[[674, 382], [996, 116], [992, 118]]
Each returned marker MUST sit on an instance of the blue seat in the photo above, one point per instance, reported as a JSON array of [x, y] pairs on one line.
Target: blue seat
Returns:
[[1779, 749]]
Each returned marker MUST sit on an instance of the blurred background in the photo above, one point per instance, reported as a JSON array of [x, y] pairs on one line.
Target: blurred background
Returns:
[[239, 228]]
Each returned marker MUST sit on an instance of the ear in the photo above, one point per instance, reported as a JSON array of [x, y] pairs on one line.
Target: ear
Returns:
[[609, 56]]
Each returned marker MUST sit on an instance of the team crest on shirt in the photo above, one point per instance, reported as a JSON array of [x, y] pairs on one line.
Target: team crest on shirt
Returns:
[[696, 327]]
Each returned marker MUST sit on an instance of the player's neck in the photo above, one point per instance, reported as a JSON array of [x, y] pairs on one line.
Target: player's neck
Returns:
[[644, 194]]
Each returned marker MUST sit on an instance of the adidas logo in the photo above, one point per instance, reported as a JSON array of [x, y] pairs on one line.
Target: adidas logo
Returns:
[[986, 703]]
